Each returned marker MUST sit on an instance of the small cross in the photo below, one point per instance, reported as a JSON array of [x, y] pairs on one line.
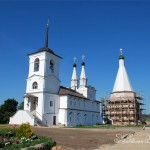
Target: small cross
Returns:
[[47, 22], [83, 58], [74, 59], [121, 51]]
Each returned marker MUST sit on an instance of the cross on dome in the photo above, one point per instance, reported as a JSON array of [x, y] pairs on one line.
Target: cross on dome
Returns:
[[48, 23], [83, 58], [74, 59], [120, 51]]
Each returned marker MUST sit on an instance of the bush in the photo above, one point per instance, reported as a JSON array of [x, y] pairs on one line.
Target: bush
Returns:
[[26, 138], [24, 131]]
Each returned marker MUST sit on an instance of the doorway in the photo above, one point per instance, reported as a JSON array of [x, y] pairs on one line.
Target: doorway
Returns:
[[54, 120]]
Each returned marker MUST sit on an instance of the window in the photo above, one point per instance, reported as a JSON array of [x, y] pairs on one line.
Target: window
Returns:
[[34, 85], [36, 65], [52, 66], [78, 117], [85, 116], [70, 102], [71, 115], [51, 103]]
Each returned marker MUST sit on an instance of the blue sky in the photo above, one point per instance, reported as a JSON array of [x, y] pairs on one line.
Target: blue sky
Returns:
[[97, 29]]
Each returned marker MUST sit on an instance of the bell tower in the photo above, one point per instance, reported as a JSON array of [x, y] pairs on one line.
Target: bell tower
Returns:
[[43, 70], [43, 82]]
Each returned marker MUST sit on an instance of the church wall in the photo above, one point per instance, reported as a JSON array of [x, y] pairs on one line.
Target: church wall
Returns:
[[77, 117], [82, 90], [49, 118], [74, 111], [26, 104], [30, 81], [62, 117], [63, 101], [91, 93], [122, 94], [51, 103], [51, 84], [55, 61], [32, 58]]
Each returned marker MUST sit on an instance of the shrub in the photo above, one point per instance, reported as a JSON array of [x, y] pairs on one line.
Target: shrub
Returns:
[[24, 131], [26, 138]]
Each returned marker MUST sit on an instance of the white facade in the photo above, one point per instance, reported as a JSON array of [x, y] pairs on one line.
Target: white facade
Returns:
[[47, 103], [77, 109]]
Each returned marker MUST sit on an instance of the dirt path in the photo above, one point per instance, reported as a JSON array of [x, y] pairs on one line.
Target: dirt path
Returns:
[[81, 139]]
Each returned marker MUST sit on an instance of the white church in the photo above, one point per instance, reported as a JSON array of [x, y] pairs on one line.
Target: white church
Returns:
[[48, 103]]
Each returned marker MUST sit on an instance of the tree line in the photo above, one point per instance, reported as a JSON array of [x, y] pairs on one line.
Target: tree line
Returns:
[[8, 109]]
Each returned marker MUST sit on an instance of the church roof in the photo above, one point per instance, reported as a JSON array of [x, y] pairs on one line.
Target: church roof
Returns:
[[67, 91], [122, 82], [45, 49]]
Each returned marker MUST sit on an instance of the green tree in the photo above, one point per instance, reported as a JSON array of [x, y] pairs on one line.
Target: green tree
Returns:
[[7, 110], [9, 105], [21, 106]]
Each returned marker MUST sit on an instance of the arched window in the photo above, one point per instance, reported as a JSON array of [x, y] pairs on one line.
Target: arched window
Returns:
[[78, 118], [97, 117], [71, 115], [36, 64], [34, 85], [52, 66], [85, 117]]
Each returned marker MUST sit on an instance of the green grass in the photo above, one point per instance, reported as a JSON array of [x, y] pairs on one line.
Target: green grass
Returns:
[[6, 130], [106, 126]]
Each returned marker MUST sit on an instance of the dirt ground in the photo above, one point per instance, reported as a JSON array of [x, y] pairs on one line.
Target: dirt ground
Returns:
[[82, 138]]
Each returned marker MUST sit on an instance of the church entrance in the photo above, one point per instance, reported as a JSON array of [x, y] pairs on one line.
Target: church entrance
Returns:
[[54, 120], [34, 103]]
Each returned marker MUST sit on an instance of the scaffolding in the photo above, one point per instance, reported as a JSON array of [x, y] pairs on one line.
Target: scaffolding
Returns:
[[124, 110], [103, 109]]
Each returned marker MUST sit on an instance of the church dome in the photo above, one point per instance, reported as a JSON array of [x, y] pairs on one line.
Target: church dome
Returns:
[[74, 65], [121, 57], [83, 63]]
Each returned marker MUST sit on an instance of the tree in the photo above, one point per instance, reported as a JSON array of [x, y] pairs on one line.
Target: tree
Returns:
[[10, 105], [7, 110], [21, 106]]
